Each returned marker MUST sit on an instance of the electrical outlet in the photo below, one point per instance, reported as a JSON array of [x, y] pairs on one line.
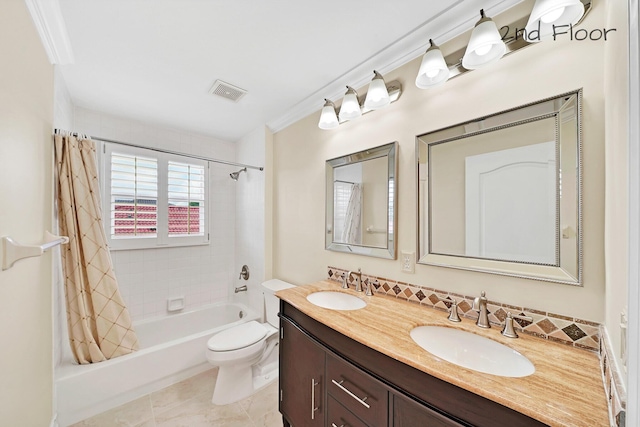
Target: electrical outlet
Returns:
[[408, 262]]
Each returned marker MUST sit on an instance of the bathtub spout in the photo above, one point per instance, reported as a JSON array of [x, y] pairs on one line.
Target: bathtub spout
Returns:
[[241, 289]]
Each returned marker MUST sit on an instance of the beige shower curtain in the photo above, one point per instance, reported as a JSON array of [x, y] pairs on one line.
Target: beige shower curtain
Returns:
[[98, 320]]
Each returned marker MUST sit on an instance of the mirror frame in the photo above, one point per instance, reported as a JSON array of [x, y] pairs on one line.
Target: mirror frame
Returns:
[[528, 270], [390, 151]]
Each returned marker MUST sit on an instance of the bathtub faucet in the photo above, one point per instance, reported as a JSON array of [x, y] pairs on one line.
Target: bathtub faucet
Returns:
[[241, 289]]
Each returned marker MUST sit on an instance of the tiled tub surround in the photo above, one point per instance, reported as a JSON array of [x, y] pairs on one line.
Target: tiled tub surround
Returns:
[[566, 389], [553, 327]]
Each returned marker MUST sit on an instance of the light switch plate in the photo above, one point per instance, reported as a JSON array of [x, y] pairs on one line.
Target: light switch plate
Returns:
[[408, 262]]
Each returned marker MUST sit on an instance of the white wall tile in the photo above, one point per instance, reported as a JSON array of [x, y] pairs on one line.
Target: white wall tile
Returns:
[[200, 273]]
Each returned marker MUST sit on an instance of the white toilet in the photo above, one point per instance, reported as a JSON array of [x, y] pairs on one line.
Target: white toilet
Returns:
[[247, 354]]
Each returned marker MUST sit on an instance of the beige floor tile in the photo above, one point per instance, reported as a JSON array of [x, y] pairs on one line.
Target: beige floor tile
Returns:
[[261, 403], [200, 412], [198, 385], [272, 418], [132, 414]]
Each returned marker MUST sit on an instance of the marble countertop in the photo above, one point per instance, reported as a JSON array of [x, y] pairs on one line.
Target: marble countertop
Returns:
[[565, 390]]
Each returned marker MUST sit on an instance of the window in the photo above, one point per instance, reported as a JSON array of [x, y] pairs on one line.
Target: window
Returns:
[[154, 199]]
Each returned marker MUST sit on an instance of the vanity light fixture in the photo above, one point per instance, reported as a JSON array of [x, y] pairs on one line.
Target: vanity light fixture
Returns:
[[350, 108], [328, 117], [485, 46], [377, 95], [434, 70], [549, 13]]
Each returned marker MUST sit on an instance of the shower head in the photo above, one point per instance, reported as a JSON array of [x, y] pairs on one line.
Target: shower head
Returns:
[[234, 175]]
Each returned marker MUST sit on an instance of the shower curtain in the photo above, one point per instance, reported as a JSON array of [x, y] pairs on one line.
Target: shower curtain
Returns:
[[352, 233], [98, 321]]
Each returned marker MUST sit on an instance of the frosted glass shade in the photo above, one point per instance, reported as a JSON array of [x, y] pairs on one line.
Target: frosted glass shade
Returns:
[[485, 46], [377, 95], [350, 108], [328, 117], [547, 13], [433, 69]]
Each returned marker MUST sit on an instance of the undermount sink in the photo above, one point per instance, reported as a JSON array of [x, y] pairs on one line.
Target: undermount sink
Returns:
[[336, 300], [472, 351]]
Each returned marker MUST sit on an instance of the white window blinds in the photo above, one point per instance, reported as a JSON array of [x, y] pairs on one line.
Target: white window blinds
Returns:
[[154, 199], [186, 199], [134, 196]]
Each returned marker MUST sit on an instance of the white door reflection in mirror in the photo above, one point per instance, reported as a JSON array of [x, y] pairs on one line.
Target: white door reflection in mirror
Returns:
[[511, 204]]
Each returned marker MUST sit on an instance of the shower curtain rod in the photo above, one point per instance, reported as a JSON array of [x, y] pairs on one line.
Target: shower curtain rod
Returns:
[[159, 150]]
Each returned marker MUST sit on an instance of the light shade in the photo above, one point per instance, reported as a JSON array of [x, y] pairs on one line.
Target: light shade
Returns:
[[350, 108], [485, 46], [328, 117], [377, 95], [549, 13], [433, 69]]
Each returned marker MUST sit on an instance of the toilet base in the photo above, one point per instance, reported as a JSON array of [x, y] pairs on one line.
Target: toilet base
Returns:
[[235, 383]]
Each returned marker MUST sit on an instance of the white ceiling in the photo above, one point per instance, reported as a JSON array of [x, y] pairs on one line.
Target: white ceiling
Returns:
[[155, 60]]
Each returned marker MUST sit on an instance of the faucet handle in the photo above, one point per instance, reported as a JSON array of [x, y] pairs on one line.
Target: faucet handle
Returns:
[[369, 284], [345, 284], [453, 310], [508, 330]]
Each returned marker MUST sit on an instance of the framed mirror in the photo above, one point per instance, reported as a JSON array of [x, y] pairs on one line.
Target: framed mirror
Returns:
[[502, 194], [360, 202]]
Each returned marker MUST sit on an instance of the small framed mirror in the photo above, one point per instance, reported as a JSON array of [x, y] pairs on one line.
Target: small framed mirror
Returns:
[[360, 202], [502, 194]]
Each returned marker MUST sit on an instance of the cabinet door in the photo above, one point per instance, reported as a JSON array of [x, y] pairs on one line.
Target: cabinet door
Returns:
[[408, 413], [301, 377]]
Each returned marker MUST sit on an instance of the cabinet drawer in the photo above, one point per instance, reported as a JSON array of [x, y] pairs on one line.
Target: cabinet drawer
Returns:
[[339, 416], [407, 413], [361, 394]]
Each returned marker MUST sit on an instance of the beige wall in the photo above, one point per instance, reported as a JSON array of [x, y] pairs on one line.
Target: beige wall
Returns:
[[617, 202], [540, 71], [26, 114]]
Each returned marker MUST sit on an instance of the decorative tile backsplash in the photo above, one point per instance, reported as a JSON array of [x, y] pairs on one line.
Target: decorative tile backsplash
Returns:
[[553, 327], [616, 394]]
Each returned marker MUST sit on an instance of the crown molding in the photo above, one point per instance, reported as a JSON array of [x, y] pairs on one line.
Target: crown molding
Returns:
[[47, 18], [450, 23]]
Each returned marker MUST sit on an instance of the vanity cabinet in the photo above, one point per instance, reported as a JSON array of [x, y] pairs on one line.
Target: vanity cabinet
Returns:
[[328, 379], [302, 385]]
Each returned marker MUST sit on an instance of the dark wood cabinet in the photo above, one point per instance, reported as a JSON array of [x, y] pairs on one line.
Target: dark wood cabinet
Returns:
[[302, 387], [407, 413], [328, 379]]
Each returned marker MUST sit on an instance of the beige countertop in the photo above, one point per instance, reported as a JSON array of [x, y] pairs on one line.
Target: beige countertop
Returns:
[[565, 390]]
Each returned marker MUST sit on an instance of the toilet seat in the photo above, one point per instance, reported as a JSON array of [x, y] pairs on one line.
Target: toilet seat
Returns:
[[237, 337]]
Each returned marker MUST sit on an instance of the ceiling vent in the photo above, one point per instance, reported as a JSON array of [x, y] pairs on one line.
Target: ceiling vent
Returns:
[[227, 90]]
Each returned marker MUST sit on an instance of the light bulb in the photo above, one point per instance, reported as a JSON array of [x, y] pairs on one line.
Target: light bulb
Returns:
[[552, 16], [482, 50], [433, 69], [432, 73], [350, 108], [377, 96], [328, 118]]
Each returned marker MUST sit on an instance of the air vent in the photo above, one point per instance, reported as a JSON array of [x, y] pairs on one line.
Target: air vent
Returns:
[[227, 90]]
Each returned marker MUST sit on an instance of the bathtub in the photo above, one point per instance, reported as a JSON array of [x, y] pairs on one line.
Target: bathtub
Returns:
[[171, 349]]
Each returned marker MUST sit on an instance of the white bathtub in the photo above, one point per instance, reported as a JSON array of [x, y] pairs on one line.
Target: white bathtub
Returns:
[[171, 349]]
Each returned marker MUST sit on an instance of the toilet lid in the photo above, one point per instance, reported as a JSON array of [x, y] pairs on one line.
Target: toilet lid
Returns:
[[237, 337]]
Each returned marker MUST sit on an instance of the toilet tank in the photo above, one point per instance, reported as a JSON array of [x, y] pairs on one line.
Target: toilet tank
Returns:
[[271, 301]]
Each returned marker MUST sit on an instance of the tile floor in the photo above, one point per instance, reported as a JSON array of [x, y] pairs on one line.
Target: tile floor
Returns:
[[188, 404]]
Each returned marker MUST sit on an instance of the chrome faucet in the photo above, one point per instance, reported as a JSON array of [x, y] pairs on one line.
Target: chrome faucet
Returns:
[[368, 289], [508, 330], [358, 279], [480, 305], [240, 289]]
